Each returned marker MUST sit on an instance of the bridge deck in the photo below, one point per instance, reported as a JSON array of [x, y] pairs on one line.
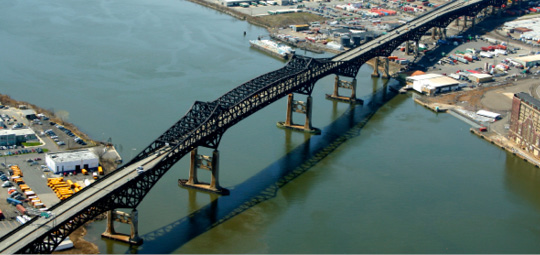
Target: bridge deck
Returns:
[[208, 120], [79, 203], [401, 30]]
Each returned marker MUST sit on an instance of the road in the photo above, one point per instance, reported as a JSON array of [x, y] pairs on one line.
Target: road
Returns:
[[62, 213], [392, 35]]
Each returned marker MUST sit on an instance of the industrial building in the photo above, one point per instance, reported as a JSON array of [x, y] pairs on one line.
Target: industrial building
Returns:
[[480, 77], [432, 84], [10, 137], [29, 114], [230, 3], [525, 123], [528, 61], [72, 161], [298, 28]]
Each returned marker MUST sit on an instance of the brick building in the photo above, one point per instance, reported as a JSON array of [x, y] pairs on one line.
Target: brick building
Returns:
[[525, 123]]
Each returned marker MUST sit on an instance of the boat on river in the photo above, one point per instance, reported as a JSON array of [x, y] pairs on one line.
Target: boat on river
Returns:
[[273, 48]]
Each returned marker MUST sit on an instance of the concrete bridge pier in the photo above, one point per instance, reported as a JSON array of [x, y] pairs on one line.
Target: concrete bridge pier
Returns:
[[122, 217], [407, 45], [386, 73], [433, 32], [299, 107], [375, 68], [444, 34], [345, 85], [464, 21], [457, 22], [416, 45], [210, 163]]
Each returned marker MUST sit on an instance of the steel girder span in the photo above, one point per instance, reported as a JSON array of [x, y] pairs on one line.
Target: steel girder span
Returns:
[[205, 123]]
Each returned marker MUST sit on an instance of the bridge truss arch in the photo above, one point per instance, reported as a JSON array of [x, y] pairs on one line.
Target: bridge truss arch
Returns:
[[205, 122]]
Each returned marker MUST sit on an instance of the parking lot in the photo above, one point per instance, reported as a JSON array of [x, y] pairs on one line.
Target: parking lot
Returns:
[[52, 137]]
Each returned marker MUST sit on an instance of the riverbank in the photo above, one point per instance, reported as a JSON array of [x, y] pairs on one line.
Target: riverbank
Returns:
[[495, 98], [81, 246]]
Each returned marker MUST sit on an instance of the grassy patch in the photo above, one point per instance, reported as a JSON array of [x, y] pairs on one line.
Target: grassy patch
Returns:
[[31, 144]]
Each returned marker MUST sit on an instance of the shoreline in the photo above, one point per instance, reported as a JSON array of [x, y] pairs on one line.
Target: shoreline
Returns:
[[80, 245]]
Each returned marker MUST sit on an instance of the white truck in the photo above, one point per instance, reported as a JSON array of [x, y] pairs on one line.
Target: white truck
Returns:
[[500, 52], [486, 54]]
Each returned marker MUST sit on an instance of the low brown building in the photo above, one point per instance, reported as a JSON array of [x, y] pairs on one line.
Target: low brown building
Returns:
[[525, 123]]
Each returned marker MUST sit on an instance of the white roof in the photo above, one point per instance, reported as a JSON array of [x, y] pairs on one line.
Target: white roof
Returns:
[[424, 76], [493, 115], [480, 75], [17, 132], [442, 81], [529, 58], [71, 156]]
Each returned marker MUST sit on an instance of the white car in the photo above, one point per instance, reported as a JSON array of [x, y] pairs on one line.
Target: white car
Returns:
[[140, 170]]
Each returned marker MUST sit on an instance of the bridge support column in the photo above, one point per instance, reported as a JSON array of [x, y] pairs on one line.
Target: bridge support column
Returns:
[[299, 107], [126, 218], [416, 45], [465, 21], [207, 163], [407, 46], [386, 72], [376, 68], [444, 34], [433, 32], [346, 85], [457, 22], [473, 21]]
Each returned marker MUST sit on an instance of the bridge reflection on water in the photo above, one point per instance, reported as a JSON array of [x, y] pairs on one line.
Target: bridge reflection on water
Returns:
[[264, 185]]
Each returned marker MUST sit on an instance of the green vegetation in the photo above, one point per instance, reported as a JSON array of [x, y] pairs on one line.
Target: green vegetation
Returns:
[[31, 144]]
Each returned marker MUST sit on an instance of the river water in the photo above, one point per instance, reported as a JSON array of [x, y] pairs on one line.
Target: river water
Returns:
[[385, 177]]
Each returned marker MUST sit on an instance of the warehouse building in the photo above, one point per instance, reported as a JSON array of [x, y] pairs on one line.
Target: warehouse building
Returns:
[[480, 77], [231, 3], [528, 61], [525, 123], [29, 114], [72, 161], [432, 84], [10, 137]]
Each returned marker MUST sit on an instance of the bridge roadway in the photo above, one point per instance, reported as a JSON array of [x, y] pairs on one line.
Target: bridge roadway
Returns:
[[203, 125], [394, 34], [76, 205]]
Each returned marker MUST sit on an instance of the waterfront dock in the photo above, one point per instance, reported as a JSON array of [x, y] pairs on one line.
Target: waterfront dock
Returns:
[[505, 144], [432, 107]]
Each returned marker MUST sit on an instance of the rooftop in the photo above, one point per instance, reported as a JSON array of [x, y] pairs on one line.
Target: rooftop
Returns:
[[480, 75], [424, 77], [17, 132], [529, 58], [71, 156], [442, 81], [528, 99]]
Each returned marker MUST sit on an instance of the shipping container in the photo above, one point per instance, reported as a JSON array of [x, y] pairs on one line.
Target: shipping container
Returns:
[[21, 209]]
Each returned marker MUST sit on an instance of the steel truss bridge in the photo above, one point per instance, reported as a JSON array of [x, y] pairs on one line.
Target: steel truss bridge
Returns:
[[206, 122]]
